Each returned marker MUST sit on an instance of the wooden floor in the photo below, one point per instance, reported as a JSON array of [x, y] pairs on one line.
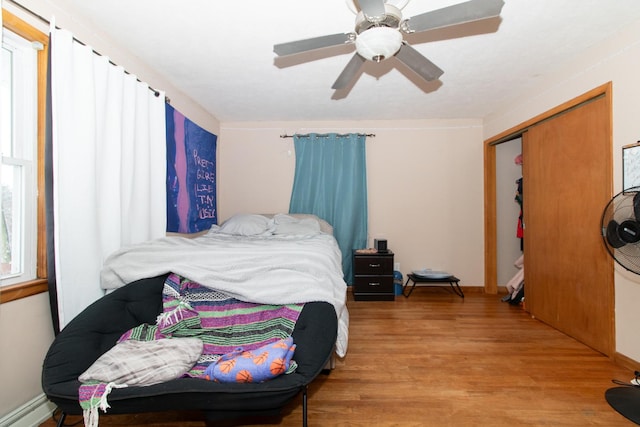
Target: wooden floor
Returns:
[[434, 359]]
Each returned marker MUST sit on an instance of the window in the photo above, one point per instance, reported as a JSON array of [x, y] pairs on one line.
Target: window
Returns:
[[18, 125], [22, 98]]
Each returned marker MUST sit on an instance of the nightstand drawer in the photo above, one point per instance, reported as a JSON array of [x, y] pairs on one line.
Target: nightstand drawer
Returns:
[[373, 284], [373, 265]]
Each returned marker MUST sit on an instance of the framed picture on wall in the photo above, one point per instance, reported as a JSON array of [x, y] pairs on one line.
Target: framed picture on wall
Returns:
[[631, 165]]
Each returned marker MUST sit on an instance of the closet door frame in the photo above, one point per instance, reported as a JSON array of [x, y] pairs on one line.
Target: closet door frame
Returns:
[[491, 286]]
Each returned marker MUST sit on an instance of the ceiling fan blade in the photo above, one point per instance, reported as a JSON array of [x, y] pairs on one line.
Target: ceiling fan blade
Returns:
[[372, 8], [349, 72], [418, 63], [473, 10], [305, 45]]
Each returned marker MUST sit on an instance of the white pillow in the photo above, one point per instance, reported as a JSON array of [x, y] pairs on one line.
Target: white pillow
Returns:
[[285, 224], [143, 363], [246, 225], [325, 227]]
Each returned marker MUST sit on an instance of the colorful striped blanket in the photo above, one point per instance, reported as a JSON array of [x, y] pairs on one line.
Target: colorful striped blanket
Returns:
[[224, 324]]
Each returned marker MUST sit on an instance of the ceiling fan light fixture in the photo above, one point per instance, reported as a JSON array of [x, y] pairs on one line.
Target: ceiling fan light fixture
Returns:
[[378, 43]]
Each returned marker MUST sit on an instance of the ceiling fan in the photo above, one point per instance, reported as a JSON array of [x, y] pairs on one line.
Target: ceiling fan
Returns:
[[379, 30]]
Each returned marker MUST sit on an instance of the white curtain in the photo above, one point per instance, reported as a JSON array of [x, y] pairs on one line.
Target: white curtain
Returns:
[[109, 167]]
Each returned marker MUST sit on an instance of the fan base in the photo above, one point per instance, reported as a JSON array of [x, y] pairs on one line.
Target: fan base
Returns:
[[625, 400]]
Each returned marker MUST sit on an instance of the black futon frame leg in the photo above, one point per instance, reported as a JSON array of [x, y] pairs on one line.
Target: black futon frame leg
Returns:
[[61, 420], [304, 406]]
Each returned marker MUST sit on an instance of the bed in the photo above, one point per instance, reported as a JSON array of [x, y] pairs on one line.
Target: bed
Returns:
[[269, 259], [262, 259]]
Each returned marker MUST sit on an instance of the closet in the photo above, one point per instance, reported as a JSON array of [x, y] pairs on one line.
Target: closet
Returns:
[[508, 172], [567, 172]]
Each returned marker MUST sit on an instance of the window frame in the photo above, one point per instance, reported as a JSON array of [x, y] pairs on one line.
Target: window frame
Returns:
[[40, 284]]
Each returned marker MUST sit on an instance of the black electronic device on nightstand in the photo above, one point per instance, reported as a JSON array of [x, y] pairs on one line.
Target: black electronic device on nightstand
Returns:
[[373, 276], [380, 245]]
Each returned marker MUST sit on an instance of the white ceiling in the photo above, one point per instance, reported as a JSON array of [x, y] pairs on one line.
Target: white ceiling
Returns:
[[220, 53]]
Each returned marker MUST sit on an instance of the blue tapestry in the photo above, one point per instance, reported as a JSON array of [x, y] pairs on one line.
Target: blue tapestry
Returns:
[[191, 175]]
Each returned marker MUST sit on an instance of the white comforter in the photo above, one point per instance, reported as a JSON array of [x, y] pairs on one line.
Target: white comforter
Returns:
[[274, 269]]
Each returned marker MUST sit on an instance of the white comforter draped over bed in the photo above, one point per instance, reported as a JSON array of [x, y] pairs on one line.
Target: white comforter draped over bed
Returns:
[[274, 269]]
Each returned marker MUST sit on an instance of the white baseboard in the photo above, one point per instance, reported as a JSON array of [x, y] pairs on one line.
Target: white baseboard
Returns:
[[31, 414]]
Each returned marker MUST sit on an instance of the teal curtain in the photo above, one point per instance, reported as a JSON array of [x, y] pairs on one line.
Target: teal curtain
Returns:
[[331, 182]]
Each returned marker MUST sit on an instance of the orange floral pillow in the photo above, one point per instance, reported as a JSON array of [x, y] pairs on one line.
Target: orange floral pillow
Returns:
[[255, 366]]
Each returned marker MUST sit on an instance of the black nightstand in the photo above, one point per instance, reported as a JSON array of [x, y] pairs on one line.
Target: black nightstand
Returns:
[[373, 276]]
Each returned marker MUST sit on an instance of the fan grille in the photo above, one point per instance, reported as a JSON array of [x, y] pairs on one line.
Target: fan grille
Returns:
[[621, 228]]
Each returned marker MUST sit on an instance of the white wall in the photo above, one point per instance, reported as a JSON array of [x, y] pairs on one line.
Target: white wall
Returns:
[[25, 336], [425, 185], [618, 61]]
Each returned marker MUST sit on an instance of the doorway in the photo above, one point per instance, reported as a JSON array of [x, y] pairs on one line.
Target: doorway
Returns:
[[508, 244]]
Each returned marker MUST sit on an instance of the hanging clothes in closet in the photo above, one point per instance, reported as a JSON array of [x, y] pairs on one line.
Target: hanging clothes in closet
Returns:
[[519, 200], [520, 227]]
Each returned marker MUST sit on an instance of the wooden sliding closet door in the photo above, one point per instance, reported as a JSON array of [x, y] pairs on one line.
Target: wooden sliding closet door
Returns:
[[567, 183]]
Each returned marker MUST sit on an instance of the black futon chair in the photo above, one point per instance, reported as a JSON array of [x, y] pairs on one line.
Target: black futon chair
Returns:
[[98, 327]]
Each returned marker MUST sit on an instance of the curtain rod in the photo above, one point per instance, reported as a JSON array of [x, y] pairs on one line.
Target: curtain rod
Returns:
[[372, 135], [46, 21]]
